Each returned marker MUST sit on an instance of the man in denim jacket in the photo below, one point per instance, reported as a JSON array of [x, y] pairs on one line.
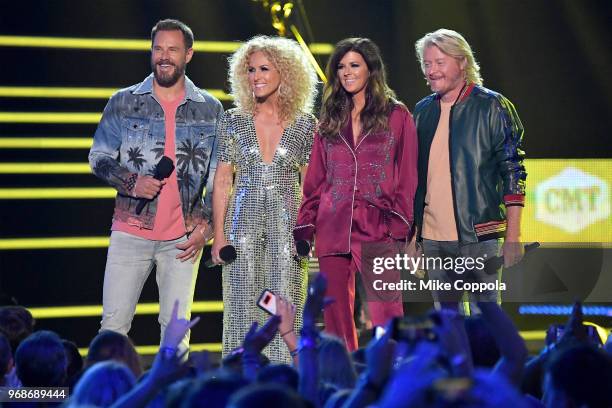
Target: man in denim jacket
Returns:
[[165, 115]]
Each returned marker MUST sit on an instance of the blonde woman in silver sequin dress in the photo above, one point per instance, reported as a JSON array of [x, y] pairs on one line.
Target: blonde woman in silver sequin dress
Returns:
[[266, 141]]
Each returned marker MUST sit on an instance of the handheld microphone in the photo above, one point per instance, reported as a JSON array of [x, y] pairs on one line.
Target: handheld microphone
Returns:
[[227, 254], [493, 264], [163, 169], [302, 247]]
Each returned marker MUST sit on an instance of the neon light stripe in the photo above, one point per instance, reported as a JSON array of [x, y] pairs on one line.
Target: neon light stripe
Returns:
[[151, 350], [533, 334], [49, 117], [56, 243], [118, 44], [45, 142], [96, 310], [53, 243], [128, 44], [67, 92], [44, 168], [564, 310], [308, 52], [321, 48], [60, 193]]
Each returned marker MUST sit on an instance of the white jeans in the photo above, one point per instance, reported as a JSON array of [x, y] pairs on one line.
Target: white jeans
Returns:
[[129, 262]]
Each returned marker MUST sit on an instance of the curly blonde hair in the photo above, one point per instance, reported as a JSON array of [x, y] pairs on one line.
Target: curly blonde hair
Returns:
[[298, 79]]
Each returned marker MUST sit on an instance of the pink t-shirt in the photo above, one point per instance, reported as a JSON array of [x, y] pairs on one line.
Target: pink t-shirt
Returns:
[[169, 223]]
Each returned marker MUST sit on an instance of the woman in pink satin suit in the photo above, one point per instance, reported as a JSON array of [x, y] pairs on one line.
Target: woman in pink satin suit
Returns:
[[361, 181]]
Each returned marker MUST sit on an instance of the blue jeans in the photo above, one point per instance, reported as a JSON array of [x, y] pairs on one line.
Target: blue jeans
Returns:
[[454, 250], [129, 262]]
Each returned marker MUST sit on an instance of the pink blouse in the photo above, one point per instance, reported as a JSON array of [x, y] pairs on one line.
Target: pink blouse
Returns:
[[379, 173]]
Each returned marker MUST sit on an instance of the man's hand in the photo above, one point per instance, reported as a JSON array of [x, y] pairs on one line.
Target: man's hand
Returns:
[[147, 187], [194, 244], [513, 252]]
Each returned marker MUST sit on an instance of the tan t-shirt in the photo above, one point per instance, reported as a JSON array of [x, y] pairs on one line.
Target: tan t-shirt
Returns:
[[439, 217]]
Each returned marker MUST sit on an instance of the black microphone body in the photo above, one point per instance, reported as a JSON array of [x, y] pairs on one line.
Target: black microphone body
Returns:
[[163, 169], [493, 264], [227, 254], [302, 247]]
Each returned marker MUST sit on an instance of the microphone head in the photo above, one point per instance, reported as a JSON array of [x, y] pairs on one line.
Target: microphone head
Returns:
[[228, 253], [302, 247], [164, 167]]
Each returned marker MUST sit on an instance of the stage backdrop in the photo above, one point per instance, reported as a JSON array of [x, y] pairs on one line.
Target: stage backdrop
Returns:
[[551, 59]]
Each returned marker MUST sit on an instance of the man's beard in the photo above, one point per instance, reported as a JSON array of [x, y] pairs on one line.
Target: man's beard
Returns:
[[167, 79]]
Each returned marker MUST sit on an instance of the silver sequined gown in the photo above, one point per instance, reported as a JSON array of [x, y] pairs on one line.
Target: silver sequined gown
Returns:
[[259, 222]]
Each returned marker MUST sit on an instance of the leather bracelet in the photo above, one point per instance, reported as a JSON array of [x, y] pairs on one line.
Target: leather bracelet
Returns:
[[286, 333]]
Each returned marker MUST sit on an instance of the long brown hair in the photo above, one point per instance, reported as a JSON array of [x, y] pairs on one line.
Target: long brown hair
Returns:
[[337, 104]]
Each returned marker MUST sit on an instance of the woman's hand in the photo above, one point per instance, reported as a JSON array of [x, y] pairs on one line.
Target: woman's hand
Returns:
[[286, 310], [218, 243]]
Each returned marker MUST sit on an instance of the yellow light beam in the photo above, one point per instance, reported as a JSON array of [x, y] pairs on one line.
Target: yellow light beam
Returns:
[[128, 44], [44, 168], [50, 117], [57, 193], [96, 310], [151, 350], [533, 334], [321, 48], [308, 52], [117, 44], [45, 142], [72, 92], [53, 243], [56, 243]]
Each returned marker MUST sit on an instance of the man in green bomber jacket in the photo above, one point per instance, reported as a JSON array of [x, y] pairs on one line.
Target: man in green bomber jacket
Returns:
[[471, 177]]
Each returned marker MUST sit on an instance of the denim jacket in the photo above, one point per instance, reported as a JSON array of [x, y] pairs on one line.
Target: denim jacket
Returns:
[[129, 142]]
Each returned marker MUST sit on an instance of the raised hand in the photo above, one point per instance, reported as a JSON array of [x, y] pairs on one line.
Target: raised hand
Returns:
[[257, 339], [315, 301], [286, 310], [574, 328], [379, 358], [176, 328]]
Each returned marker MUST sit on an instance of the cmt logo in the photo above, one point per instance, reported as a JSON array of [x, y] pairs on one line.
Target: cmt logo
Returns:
[[572, 200]]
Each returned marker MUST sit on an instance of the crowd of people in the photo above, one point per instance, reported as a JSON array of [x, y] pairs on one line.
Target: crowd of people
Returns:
[[478, 361]]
